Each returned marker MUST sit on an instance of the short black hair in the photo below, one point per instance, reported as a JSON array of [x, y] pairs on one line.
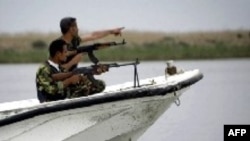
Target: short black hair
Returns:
[[66, 23], [56, 46]]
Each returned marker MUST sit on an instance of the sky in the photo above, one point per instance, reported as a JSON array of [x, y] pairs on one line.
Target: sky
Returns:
[[17, 16]]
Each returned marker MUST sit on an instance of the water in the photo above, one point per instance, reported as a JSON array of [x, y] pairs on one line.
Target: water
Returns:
[[221, 97]]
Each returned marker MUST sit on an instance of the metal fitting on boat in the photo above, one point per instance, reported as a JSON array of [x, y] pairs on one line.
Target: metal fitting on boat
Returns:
[[170, 69]]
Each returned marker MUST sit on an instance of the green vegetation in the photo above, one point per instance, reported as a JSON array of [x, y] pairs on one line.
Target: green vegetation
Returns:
[[227, 44], [162, 51], [39, 44], [27, 56]]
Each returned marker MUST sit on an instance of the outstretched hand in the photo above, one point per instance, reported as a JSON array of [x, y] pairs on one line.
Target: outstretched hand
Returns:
[[117, 31]]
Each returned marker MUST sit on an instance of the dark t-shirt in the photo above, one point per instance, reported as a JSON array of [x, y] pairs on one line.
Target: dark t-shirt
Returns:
[[73, 46]]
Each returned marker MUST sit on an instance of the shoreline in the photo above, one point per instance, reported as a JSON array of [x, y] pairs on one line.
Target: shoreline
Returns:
[[32, 47]]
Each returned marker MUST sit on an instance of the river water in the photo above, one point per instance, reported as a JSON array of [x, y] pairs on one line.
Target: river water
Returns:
[[221, 97]]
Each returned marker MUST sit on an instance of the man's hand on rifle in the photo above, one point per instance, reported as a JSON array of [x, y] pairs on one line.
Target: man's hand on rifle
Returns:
[[100, 68], [74, 79]]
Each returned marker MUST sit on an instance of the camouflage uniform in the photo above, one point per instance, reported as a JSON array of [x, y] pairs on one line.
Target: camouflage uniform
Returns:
[[86, 87], [50, 90], [47, 88]]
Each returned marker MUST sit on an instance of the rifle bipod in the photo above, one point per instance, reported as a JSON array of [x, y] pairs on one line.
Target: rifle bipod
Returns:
[[136, 76]]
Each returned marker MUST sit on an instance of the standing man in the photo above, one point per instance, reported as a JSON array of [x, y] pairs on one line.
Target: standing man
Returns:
[[70, 35]]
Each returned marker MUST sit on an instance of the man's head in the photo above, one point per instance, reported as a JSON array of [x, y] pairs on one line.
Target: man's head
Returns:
[[58, 50], [69, 25]]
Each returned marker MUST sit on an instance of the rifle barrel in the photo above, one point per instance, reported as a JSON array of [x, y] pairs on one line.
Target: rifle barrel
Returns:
[[87, 48], [124, 64]]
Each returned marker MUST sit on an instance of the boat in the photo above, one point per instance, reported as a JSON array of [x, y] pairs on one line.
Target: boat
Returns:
[[123, 112]]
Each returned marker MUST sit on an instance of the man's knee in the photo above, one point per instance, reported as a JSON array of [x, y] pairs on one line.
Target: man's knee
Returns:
[[87, 89], [101, 85], [98, 87]]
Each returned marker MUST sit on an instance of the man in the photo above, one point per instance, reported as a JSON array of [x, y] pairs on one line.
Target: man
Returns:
[[51, 83], [70, 35]]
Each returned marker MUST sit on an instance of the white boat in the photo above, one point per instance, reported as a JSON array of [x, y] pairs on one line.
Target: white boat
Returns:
[[120, 113]]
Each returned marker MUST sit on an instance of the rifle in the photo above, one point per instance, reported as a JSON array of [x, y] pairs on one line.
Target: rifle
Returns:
[[90, 48], [91, 70]]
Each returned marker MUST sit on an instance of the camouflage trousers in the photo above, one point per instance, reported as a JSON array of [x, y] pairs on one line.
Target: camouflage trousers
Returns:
[[85, 88]]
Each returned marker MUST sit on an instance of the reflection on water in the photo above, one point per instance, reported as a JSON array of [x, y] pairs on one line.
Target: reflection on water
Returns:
[[221, 97]]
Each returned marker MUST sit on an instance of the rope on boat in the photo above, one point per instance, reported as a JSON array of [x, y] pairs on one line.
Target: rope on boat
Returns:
[[177, 100]]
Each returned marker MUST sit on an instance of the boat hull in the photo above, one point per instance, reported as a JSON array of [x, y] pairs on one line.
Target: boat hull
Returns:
[[122, 120], [122, 115]]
